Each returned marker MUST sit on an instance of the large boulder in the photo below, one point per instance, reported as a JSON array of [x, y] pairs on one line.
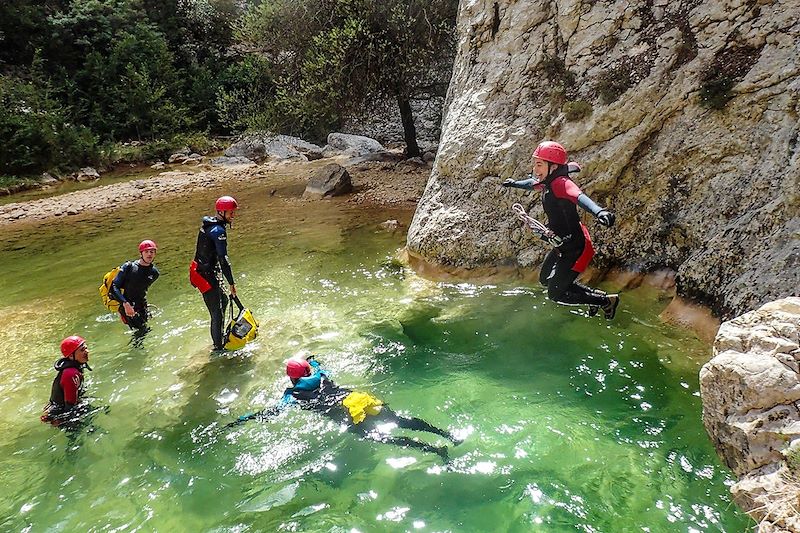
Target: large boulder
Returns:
[[258, 146], [330, 180], [87, 174], [236, 161], [353, 145], [750, 391]]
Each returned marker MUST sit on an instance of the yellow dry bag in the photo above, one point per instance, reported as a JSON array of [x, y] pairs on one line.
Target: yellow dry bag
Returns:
[[110, 303], [242, 329], [361, 404]]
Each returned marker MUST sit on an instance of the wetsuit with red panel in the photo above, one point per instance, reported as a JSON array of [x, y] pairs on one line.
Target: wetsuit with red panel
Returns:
[[210, 264], [66, 390], [563, 264]]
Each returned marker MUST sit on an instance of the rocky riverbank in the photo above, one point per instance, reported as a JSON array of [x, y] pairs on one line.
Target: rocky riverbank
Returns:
[[751, 410], [395, 183]]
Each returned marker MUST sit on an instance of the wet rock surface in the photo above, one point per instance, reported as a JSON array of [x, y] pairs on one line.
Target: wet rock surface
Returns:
[[751, 410]]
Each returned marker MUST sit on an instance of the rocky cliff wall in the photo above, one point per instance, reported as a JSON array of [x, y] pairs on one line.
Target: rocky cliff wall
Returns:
[[751, 410], [683, 113]]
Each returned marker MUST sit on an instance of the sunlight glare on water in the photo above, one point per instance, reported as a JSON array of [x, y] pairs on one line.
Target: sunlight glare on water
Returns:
[[568, 423]]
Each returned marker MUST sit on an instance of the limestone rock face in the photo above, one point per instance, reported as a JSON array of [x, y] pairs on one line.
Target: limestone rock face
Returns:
[[750, 392], [330, 180], [683, 114]]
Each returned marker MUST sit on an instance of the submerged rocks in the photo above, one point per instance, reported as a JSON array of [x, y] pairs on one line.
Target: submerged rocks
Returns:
[[330, 180], [750, 392]]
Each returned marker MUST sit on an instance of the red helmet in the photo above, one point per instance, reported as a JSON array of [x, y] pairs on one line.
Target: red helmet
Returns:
[[298, 368], [552, 152], [226, 203], [71, 344], [147, 244]]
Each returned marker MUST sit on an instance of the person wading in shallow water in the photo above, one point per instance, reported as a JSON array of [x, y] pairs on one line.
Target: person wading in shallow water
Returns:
[[130, 286], [362, 413], [65, 393], [211, 262], [573, 247]]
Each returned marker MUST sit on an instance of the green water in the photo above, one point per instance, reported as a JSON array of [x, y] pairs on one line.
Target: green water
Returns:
[[571, 424]]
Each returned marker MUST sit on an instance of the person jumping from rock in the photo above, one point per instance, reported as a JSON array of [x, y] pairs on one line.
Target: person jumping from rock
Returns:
[[573, 247], [362, 413]]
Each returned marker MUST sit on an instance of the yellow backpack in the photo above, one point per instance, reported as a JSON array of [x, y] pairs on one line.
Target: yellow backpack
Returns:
[[110, 303]]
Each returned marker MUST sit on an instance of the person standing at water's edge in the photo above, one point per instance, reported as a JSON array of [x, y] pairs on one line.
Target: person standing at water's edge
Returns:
[[67, 386], [211, 263], [130, 286], [574, 250]]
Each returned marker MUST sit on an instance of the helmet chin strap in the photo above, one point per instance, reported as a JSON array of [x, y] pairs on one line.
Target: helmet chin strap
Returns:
[[225, 219]]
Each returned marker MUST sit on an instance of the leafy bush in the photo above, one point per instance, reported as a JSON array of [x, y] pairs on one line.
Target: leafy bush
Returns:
[[727, 68], [715, 93], [34, 132], [246, 94], [577, 110], [612, 84]]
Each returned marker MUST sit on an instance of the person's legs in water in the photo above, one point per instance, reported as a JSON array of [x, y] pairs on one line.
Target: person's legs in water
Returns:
[[415, 424], [369, 431], [216, 302], [408, 442]]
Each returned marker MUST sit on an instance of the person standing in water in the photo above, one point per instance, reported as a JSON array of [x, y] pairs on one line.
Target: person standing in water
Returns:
[[211, 263], [65, 393], [573, 250], [362, 413], [130, 286]]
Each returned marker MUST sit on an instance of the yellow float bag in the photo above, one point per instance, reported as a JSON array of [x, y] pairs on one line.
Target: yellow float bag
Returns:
[[110, 303], [242, 329], [361, 404]]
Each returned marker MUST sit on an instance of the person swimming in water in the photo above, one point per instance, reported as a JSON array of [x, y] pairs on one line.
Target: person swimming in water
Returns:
[[313, 389]]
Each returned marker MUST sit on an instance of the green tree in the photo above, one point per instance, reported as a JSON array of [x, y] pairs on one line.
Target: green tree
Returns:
[[330, 56], [35, 133]]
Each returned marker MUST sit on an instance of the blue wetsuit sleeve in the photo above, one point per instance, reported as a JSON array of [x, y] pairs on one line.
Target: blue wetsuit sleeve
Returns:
[[287, 401], [316, 367], [220, 238], [527, 184], [119, 283], [589, 205]]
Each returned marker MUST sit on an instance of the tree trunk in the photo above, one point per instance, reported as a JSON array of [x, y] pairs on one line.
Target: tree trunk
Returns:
[[409, 131]]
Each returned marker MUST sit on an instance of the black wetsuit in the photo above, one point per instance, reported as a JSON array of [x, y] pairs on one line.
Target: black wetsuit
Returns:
[[130, 285], [65, 391], [211, 256], [319, 393], [563, 264]]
